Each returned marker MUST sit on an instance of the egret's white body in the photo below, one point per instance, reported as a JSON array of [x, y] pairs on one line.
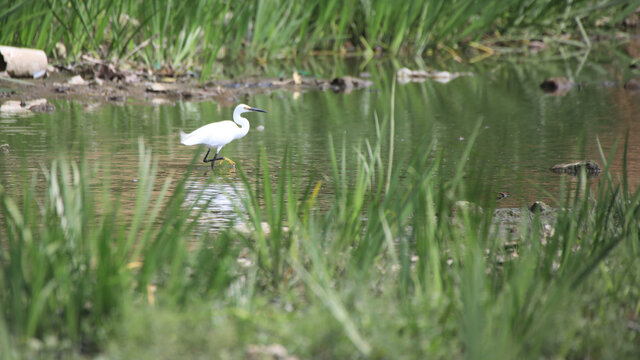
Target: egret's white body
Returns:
[[217, 135]]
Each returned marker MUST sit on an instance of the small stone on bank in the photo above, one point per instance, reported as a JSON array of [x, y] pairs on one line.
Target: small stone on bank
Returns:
[[76, 80], [156, 88]]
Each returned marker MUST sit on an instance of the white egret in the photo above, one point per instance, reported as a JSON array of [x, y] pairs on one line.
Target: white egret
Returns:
[[218, 134]]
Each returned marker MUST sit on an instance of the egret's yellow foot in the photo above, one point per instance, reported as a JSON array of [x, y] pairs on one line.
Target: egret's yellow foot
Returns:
[[230, 161]]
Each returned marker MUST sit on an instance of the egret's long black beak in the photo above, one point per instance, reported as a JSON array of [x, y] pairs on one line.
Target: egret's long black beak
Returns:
[[256, 109]]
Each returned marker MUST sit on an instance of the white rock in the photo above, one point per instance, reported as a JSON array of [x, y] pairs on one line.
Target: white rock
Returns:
[[76, 80]]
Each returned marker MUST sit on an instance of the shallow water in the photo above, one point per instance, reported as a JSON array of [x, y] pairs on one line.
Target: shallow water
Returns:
[[523, 130]]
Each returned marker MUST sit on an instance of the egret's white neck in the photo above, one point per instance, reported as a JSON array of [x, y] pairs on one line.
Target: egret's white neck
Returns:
[[244, 123]]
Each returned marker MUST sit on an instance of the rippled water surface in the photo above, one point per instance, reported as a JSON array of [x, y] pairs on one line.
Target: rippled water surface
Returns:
[[523, 131]]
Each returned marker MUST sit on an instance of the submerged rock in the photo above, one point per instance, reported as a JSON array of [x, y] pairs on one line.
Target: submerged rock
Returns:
[[44, 107], [406, 75], [339, 84], [539, 207], [591, 168], [117, 97], [348, 83], [632, 84], [557, 85]]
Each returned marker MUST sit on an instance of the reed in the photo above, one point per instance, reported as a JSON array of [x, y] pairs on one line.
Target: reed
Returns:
[[393, 241], [71, 258], [193, 35]]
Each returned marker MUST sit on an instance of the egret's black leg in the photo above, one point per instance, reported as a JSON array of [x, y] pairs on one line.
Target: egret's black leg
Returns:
[[205, 156], [215, 158], [210, 160]]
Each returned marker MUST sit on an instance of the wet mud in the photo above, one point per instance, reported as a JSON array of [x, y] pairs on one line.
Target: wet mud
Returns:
[[110, 86]]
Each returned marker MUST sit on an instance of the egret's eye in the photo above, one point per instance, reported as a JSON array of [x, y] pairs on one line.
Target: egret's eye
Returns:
[[246, 108]]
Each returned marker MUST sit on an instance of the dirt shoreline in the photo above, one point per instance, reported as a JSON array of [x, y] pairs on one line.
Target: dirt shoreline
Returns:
[[132, 88]]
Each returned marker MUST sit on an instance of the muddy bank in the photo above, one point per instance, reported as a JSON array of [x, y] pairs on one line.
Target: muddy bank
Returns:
[[111, 86]]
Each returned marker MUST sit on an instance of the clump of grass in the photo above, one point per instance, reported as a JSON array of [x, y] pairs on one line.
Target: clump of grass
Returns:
[[72, 258], [391, 239]]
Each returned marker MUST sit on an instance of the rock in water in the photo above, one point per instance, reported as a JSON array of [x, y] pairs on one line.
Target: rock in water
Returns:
[[46, 107], [539, 207], [557, 85], [591, 168], [632, 84]]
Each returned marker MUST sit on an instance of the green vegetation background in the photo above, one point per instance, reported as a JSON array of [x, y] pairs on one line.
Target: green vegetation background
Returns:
[[193, 34]]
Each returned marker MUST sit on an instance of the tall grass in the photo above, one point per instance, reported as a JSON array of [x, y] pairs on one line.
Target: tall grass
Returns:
[[393, 266], [192, 35], [395, 242], [70, 259]]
